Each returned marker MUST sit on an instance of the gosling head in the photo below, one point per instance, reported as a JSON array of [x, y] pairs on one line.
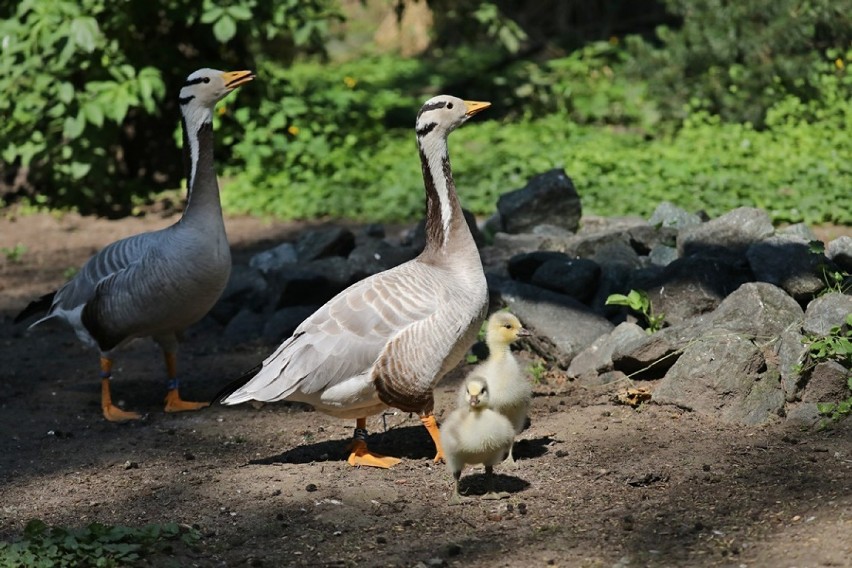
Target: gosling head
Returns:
[[477, 393], [442, 114], [504, 328]]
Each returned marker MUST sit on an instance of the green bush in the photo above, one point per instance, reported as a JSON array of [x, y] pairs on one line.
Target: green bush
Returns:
[[97, 544], [86, 120], [794, 168], [736, 59]]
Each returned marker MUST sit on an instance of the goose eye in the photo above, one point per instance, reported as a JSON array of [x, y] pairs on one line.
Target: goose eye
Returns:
[[449, 105], [205, 79]]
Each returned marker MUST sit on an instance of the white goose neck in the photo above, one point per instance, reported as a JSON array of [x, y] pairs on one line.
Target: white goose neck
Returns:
[[441, 199]]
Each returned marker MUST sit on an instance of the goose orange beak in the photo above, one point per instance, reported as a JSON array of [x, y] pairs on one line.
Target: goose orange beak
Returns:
[[234, 79], [473, 107]]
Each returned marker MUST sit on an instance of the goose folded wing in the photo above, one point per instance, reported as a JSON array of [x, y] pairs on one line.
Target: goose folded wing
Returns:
[[343, 338]]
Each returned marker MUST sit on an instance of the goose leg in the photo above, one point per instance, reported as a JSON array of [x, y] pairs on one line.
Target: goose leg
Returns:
[[489, 485], [361, 455], [173, 401], [431, 425], [456, 498], [112, 412], [510, 460]]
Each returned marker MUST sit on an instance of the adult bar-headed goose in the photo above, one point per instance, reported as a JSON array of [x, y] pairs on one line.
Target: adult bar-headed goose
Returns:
[[387, 340], [156, 284], [475, 433], [510, 392]]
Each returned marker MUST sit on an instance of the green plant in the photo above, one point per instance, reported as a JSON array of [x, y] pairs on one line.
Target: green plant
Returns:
[[14, 254], [97, 544], [736, 59], [638, 301], [834, 411], [90, 116], [537, 371], [837, 345], [834, 278]]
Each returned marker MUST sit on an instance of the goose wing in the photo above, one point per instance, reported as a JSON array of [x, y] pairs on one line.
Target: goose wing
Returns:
[[345, 337], [113, 258]]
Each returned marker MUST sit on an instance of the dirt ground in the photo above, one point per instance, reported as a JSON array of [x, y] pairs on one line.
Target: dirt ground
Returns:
[[597, 483]]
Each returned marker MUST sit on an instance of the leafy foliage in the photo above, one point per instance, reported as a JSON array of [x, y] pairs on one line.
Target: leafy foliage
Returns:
[[341, 144], [735, 59], [638, 301], [98, 545], [87, 124]]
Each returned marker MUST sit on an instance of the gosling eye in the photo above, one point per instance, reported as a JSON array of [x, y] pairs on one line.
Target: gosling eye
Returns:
[[508, 326]]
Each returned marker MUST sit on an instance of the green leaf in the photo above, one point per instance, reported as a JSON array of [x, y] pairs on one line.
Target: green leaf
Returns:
[[94, 114], [225, 28], [79, 169], [239, 12], [74, 126], [65, 92], [84, 32]]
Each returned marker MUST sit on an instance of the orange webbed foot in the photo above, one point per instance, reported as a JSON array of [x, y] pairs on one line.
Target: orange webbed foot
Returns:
[[115, 414], [174, 403], [361, 456]]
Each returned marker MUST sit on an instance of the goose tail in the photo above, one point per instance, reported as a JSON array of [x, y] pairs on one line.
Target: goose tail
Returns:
[[36, 307], [235, 385]]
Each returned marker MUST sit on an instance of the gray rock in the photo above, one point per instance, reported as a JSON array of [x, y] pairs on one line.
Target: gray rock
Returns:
[[662, 255], [246, 288], [376, 255], [826, 312], [274, 259], [245, 326], [522, 266], [615, 252], [691, 286], [570, 325], [337, 271], [800, 230], [827, 383], [721, 377], [730, 234], [577, 278], [547, 198], [647, 357], [840, 252], [759, 310], [324, 242], [788, 262], [669, 215], [791, 354], [284, 322], [803, 414], [597, 357], [297, 286], [644, 238]]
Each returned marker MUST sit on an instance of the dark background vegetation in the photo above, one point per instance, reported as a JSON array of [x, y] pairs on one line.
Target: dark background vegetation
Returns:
[[709, 104]]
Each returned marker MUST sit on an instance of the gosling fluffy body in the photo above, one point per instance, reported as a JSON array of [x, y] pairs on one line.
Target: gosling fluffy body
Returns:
[[509, 391], [475, 434]]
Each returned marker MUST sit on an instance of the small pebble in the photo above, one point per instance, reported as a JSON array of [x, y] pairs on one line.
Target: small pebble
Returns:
[[188, 456], [311, 488], [276, 493], [522, 508], [130, 465]]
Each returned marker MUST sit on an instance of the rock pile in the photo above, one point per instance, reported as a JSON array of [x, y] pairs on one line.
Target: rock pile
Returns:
[[737, 296]]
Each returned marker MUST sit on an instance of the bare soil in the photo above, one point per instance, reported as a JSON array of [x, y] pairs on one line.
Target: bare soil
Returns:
[[597, 483]]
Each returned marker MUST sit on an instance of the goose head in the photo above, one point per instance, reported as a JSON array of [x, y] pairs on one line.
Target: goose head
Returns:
[[504, 328], [476, 393], [206, 87], [444, 113]]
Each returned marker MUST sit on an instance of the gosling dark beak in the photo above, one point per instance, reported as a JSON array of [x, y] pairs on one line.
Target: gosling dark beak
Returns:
[[234, 79], [524, 332]]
